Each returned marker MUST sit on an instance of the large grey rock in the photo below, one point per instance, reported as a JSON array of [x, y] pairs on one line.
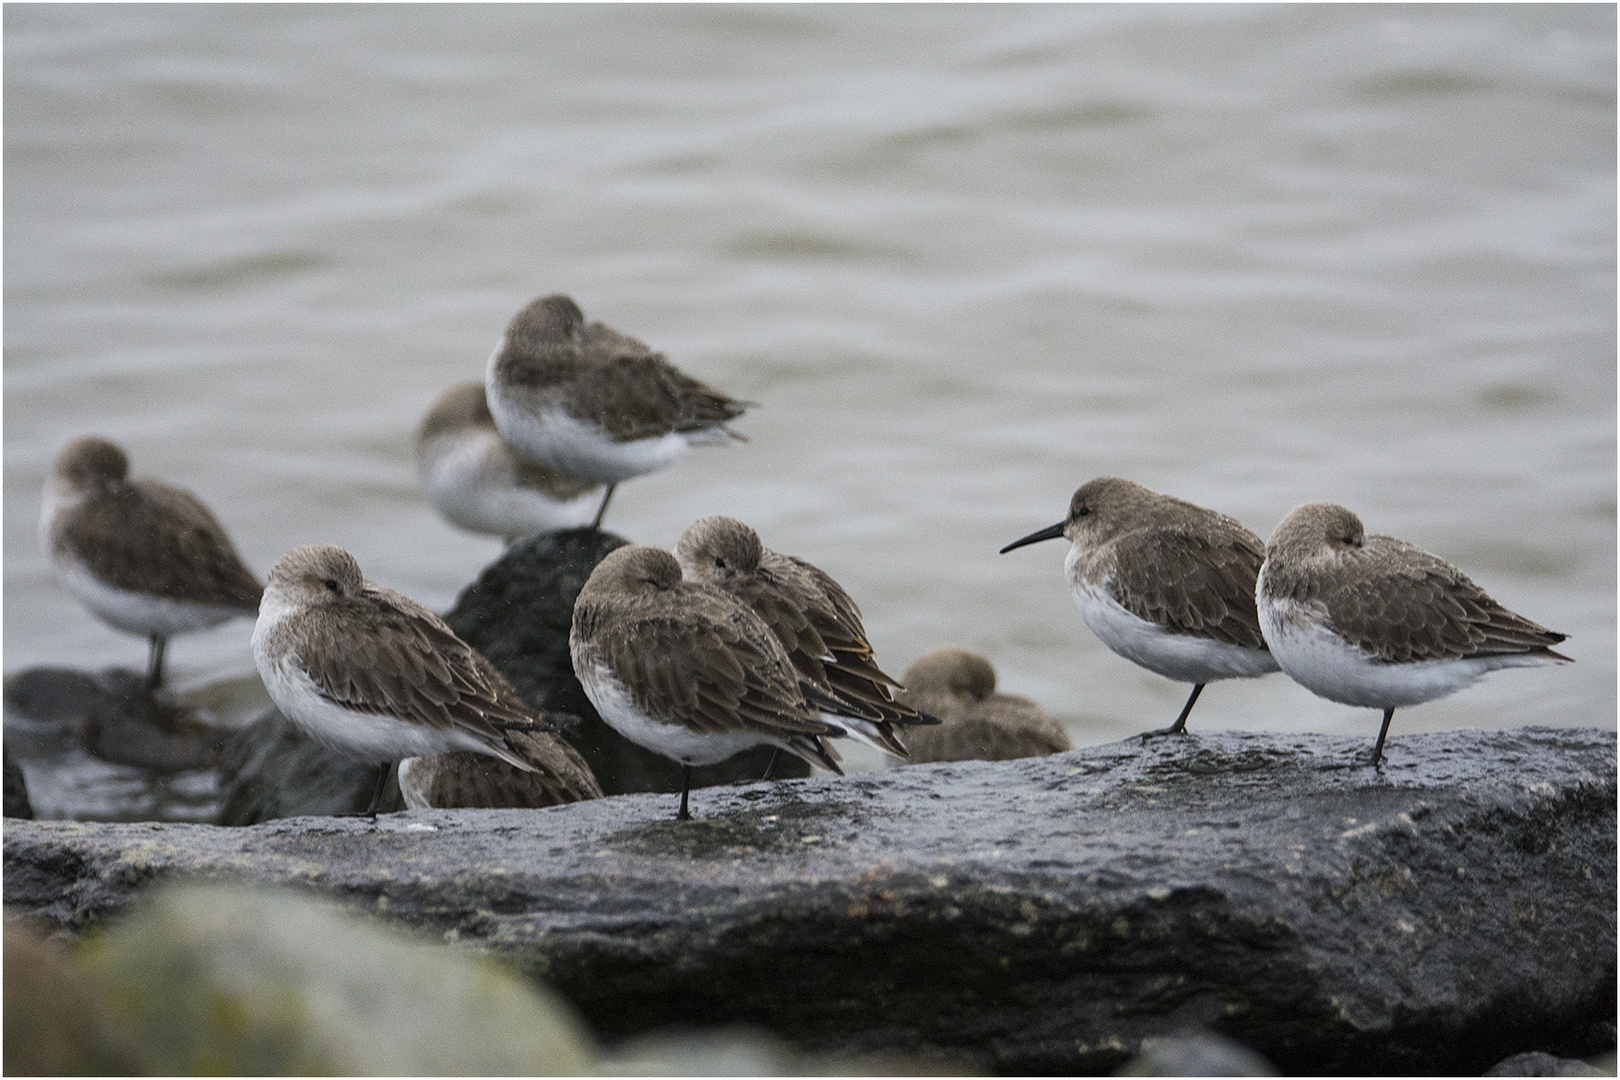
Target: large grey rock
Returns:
[[223, 981], [518, 614], [1041, 915]]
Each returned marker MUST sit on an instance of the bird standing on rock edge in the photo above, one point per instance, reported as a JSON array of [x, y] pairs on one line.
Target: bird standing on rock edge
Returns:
[[686, 670], [1379, 623], [1165, 584]]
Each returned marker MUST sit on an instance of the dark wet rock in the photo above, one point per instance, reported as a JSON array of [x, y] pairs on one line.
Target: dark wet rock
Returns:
[[111, 714], [1041, 915], [1198, 1054], [271, 769], [1537, 1063], [16, 792], [518, 614]]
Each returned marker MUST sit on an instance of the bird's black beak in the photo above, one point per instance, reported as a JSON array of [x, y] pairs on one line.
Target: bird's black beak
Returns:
[[1051, 532]]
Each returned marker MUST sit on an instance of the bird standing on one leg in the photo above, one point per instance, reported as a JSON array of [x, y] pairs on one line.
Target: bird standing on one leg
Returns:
[[1376, 622], [589, 402], [146, 558], [686, 670]]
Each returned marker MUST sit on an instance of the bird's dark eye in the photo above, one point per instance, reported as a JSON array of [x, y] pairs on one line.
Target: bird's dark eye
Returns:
[[719, 563], [1084, 511], [330, 583]]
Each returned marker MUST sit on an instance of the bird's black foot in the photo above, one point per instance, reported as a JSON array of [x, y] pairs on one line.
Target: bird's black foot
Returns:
[[1173, 729]]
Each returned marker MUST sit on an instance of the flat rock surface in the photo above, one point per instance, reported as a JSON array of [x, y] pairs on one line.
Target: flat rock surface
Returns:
[[1040, 915]]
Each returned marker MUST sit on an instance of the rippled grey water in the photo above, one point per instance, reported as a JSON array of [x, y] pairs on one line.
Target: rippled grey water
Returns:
[[965, 258]]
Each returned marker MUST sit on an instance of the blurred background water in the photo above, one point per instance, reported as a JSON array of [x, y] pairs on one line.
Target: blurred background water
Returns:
[[965, 258]]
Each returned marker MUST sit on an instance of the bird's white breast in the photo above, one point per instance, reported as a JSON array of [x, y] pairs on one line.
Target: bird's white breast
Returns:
[[1181, 657], [675, 741]]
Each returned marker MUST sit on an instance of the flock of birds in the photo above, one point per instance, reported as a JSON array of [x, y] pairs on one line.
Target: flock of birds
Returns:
[[725, 644]]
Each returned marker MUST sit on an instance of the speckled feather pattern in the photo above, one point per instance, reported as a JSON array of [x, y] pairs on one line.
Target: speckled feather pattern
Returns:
[[816, 621], [1387, 598], [687, 653], [551, 358], [976, 723], [370, 650], [468, 780], [139, 535]]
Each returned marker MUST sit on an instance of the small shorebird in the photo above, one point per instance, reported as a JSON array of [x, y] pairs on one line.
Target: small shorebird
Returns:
[[1376, 622], [686, 670], [474, 479], [976, 723], [374, 674], [145, 557], [587, 401], [460, 779], [815, 620], [1165, 584]]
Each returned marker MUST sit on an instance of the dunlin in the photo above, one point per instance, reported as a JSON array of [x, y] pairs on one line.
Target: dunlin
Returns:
[[1165, 584], [1375, 622], [448, 781], [816, 621], [474, 479], [145, 557], [976, 723], [686, 670], [588, 401], [374, 674]]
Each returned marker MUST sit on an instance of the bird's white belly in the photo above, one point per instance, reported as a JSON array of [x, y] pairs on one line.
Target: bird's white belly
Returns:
[[1175, 656], [1330, 667], [562, 442], [138, 613], [673, 741], [473, 486]]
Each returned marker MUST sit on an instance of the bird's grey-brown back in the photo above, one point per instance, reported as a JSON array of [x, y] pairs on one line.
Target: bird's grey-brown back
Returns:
[[550, 358], [467, 780], [1167, 561], [138, 535], [815, 619], [976, 722], [685, 651], [371, 650], [1386, 597]]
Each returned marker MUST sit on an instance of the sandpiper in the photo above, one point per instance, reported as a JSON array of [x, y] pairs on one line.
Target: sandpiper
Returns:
[[473, 478], [145, 557], [587, 401], [1165, 584], [815, 620], [1376, 622], [976, 723], [448, 781], [372, 673], [686, 670]]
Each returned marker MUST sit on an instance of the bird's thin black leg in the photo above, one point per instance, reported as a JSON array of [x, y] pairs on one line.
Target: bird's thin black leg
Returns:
[[1180, 726], [1378, 749], [686, 784], [154, 663], [383, 772], [771, 764], [600, 510]]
